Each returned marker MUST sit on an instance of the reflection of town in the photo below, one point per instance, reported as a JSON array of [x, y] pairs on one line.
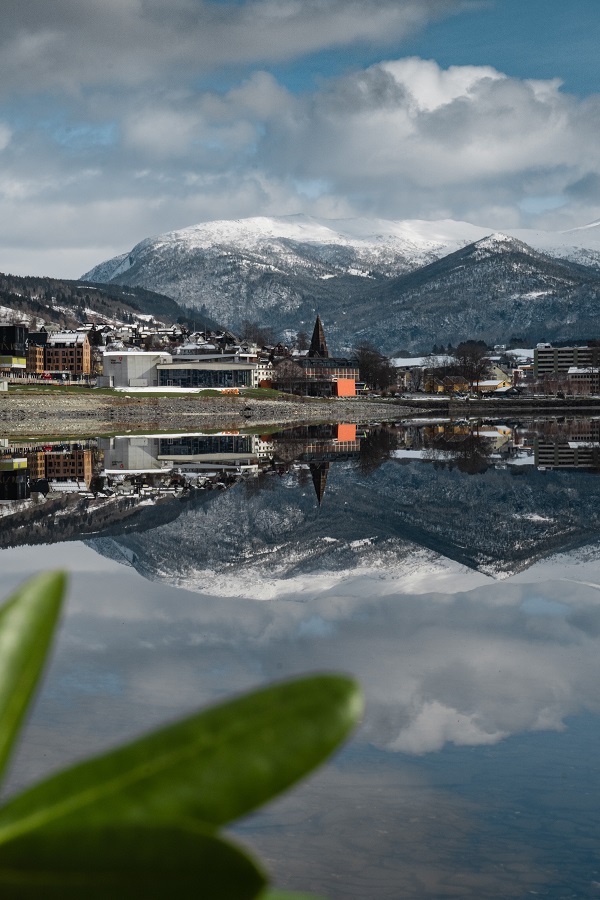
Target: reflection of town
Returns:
[[157, 467], [315, 447], [64, 491], [474, 446]]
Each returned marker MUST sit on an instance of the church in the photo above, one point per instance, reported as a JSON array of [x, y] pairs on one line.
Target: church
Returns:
[[318, 374]]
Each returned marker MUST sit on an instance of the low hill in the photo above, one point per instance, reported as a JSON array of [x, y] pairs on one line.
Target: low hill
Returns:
[[72, 303]]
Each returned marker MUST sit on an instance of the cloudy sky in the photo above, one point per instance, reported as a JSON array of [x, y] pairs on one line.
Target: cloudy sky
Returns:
[[121, 119]]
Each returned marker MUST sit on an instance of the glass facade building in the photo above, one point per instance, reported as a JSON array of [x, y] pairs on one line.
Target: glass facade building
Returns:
[[184, 377]]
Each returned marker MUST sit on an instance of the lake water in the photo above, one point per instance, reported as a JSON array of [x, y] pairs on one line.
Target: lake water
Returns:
[[453, 568]]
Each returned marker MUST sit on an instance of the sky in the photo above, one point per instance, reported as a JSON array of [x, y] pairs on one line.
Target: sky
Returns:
[[122, 119]]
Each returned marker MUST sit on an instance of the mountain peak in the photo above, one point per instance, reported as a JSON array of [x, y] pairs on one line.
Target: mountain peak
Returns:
[[499, 242]]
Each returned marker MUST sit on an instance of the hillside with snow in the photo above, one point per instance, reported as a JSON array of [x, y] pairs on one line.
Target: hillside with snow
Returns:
[[278, 271]]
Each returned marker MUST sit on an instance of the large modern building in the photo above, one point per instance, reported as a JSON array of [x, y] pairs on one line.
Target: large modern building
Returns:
[[68, 352], [150, 453], [554, 361], [135, 369], [154, 369], [69, 465]]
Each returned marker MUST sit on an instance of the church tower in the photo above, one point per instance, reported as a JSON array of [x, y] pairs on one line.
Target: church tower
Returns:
[[318, 345]]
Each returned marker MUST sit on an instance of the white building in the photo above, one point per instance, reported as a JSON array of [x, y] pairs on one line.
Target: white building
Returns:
[[158, 369], [151, 453], [135, 369]]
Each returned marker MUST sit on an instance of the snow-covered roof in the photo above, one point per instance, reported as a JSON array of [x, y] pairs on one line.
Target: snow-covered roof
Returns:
[[66, 337], [409, 362]]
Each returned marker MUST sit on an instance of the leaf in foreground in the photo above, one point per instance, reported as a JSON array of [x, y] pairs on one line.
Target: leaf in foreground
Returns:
[[213, 767], [27, 623], [126, 863]]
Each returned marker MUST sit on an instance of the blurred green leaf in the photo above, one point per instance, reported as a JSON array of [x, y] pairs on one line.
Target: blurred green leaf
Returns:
[[213, 767], [126, 863], [27, 623]]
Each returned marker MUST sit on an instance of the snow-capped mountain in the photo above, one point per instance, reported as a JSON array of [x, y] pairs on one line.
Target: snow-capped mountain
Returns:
[[278, 271], [495, 289]]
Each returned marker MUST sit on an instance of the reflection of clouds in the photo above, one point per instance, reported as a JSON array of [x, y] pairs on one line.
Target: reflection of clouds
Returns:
[[435, 725], [467, 668]]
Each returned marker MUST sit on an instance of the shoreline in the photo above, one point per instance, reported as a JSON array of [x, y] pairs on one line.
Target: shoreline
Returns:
[[37, 415], [55, 415]]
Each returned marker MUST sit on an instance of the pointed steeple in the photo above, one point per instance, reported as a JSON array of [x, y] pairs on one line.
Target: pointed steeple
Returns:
[[319, 472], [318, 345]]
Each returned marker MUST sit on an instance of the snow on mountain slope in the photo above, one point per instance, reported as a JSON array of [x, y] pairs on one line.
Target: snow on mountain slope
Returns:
[[278, 271], [397, 245], [303, 243]]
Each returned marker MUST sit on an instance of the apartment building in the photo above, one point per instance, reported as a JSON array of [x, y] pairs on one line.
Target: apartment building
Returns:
[[552, 361], [68, 351], [13, 339], [69, 465]]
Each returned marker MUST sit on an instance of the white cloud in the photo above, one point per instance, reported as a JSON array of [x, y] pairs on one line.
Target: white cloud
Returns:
[[404, 138]]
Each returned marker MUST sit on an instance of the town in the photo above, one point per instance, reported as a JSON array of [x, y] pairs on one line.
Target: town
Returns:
[[153, 357]]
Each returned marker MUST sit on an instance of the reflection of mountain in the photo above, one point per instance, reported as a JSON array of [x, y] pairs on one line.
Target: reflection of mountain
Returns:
[[69, 517], [497, 522]]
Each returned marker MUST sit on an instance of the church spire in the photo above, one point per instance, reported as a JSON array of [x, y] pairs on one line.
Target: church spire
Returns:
[[318, 345]]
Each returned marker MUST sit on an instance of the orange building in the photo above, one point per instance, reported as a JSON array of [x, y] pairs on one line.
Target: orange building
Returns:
[[35, 359], [36, 464]]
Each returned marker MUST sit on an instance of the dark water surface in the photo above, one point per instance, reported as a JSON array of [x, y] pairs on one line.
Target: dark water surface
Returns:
[[455, 571]]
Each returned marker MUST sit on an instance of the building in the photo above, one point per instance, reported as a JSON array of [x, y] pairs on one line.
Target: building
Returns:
[[318, 374], [36, 358], [68, 352], [14, 484], [13, 348], [583, 380], [151, 453], [553, 361], [159, 369], [36, 464], [69, 465], [209, 374], [137, 369]]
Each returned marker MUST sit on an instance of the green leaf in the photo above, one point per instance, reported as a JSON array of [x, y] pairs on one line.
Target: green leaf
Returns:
[[212, 768], [27, 623], [126, 863]]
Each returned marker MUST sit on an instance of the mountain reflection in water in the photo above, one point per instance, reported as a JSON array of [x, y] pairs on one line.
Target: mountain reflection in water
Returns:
[[474, 773], [490, 496]]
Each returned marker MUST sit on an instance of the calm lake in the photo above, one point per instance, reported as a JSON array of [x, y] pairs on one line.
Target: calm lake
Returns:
[[454, 568]]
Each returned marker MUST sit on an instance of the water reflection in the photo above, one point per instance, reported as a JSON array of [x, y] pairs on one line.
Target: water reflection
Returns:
[[378, 551], [474, 770], [238, 508]]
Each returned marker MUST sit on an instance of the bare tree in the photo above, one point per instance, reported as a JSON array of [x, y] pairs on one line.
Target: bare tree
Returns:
[[289, 376], [416, 378], [472, 361], [302, 341], [375, 369]]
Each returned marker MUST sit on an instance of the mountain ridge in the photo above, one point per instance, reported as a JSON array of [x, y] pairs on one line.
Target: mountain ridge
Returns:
[[279, 271]]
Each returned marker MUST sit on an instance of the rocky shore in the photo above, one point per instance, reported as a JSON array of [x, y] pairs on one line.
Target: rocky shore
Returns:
[[31, 414]]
